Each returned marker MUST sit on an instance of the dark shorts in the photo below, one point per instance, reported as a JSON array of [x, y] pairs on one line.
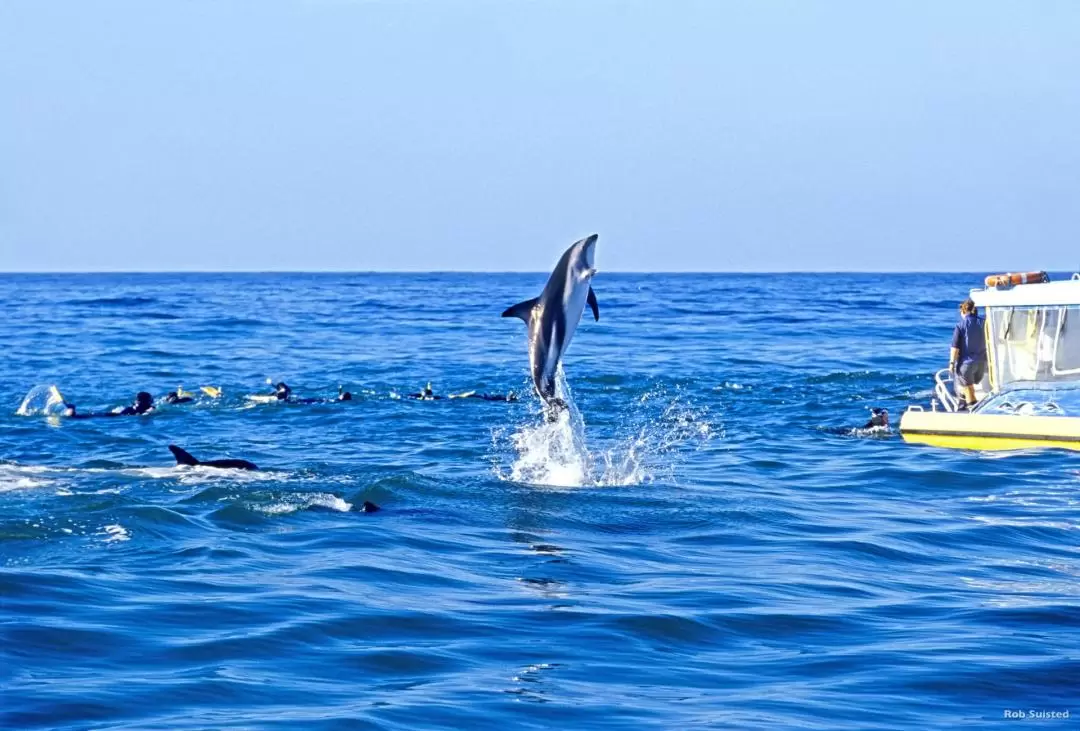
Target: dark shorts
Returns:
[[971, 373]]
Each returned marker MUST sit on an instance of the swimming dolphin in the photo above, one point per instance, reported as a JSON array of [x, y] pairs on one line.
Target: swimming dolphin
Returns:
[[554, 315], [185, 458]]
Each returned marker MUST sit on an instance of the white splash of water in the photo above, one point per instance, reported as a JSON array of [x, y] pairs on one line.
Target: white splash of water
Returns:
[[115, 533], [553, 453], [199, 474], [42, 400], [22, 477], [645, 445], [293, 503]]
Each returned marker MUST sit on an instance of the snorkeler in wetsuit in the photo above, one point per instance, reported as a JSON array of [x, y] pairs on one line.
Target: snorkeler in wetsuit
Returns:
[[144, 404], [510, 397], [177, 397], [879, 419], [283, 392], [425, 395]]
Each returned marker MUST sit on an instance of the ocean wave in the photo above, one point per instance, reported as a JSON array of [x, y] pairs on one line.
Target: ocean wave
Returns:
[[126, 301]]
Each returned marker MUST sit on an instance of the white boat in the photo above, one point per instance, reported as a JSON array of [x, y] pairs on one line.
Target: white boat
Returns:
[[1031, 396]]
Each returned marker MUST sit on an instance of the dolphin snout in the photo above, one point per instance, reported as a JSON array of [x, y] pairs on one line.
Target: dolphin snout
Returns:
[[588, 250]]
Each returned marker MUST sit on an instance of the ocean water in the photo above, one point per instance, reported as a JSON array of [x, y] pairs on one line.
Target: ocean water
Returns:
[[705, 544]]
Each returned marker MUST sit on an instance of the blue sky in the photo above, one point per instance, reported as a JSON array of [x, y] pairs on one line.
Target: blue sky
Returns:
[[489, 134]]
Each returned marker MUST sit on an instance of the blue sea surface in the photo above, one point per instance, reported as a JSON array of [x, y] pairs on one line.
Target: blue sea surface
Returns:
[[707, 543]]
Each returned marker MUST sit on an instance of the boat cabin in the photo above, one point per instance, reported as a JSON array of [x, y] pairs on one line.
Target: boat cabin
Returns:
[[1033, 333]]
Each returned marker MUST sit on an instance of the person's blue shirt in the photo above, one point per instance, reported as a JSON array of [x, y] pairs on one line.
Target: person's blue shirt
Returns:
[[970, 339]]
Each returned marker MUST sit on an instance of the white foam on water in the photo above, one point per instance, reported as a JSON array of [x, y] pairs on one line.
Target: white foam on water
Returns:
[[198, 475], [294, 503], [873, 431], [115, 533], [553, 453], [556, 454], [22, 477]]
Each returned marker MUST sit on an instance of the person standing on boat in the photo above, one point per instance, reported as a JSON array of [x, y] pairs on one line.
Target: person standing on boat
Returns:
[[967, 357]]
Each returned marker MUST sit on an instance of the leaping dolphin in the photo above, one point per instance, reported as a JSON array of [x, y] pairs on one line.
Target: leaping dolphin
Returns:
[[553, 317], [185, 458]]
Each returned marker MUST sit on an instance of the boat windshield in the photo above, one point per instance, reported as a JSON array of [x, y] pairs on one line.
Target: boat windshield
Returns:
[[1034, 344], [1042, 400]]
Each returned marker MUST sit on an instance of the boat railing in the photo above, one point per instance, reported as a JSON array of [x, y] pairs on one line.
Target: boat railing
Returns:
[[944, 391]]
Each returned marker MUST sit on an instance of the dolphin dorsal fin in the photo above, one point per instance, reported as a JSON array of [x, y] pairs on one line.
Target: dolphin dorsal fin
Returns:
[[594, 305], [522, 309], [182, 457]]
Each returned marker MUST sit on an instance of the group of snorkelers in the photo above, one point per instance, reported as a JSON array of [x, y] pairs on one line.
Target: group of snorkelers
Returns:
[[282, 392]]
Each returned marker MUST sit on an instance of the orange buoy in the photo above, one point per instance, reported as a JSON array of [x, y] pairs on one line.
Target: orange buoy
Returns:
[[1014, 278]]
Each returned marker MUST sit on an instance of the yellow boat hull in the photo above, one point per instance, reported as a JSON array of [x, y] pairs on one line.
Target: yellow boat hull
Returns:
[[990, 431]]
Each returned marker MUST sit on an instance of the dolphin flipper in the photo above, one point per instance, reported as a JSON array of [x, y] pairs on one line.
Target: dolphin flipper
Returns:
[[182, 457], [594, 305], [522, 309]]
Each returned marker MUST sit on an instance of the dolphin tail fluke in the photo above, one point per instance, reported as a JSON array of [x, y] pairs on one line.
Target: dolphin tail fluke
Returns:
[[522, 309], [594, 305], [182, 457]]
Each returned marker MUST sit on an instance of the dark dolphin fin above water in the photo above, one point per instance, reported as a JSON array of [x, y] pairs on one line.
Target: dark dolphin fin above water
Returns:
[[594, 305], [182, 457], [522, 309], [185, 458]]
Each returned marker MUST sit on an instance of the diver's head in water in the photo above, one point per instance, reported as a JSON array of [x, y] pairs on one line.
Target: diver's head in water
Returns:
[[343, 395], [879, 418], [143, 402], [427, 393], [69, 409], [282, 391]]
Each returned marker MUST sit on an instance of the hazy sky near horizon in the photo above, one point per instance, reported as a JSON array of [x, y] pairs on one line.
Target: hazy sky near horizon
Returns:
[[490, 134]]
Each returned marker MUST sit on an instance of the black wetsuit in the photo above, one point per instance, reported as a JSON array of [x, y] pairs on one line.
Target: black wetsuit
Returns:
[[144, 404], [126, 411], [878, 418], [284, 393]]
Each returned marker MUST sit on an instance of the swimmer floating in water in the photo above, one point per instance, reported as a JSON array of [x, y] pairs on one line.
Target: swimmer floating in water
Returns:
[[144, 404], [425, 395], [877, 425], [511, 396], [879, 419], [283, 392], [180, 396]]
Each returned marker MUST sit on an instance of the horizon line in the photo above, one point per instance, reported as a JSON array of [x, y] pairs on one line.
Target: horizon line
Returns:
[[498, 271]]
